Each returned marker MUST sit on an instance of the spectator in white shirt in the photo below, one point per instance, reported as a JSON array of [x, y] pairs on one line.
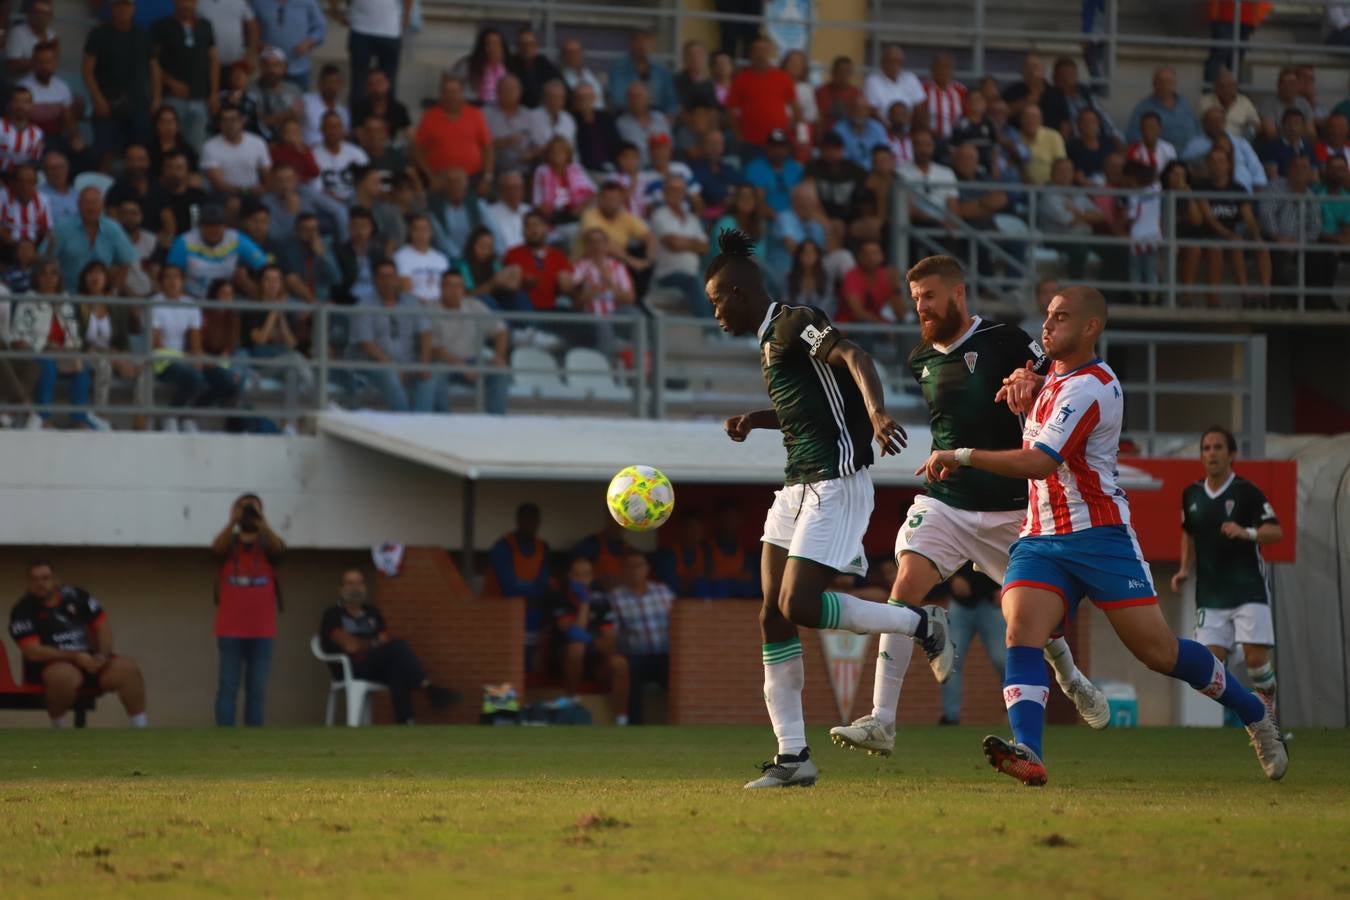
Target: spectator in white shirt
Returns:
[[234, 161], [36, 28], [323, 101], [681, 243], [893, 83], [55, 109], [572, 63], [933, 184], [337, 159], [551, 119], [236, 31], [508, 213], [420, 266], [176, 331]]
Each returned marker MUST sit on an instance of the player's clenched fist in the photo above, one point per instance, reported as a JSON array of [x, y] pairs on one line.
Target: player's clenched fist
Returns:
[[738, 427]]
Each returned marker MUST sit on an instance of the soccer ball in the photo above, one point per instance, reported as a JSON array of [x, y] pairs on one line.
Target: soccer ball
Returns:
[[640, 498]]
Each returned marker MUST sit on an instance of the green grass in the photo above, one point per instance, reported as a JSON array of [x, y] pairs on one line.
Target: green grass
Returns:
[[440, 812]]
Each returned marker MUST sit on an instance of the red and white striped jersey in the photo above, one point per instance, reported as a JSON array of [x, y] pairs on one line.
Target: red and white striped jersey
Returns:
[[1161, 154], [946, 105], [20, 219], [1077, 419], [19, 145], [902, 148]]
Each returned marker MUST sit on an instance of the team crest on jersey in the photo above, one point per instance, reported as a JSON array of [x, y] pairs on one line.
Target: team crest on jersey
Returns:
[[1228, 507], [815, 336], [844, 654], [924, 373], [1063, 415], [970, 361]]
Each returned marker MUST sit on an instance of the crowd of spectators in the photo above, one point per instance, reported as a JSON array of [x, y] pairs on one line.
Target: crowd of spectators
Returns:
[[206, 156]]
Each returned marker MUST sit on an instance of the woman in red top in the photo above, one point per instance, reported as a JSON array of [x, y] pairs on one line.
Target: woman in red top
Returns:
[[292, 150], [247, 601]]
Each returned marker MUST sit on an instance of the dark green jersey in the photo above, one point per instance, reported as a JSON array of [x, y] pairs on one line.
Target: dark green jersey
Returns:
[[825, 425], [1228, 572], [959, 383]]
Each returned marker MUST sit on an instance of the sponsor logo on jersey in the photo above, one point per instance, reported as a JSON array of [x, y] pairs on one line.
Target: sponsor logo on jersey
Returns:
[[1037, 350], [970, 361], [844, 653], [1135, 584], [1228, 507], [1032, 431], [814, 336], [21, 626]]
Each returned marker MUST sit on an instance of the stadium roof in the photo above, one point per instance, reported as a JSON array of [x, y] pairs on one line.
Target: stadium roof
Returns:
[[571, 448]]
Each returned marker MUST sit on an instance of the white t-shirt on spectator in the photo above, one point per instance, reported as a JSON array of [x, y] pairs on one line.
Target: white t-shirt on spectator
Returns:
[[1145, 213], [315, 109], [335, 170], [227, 18], [665, 224], [98, 333], [138, 282], [174, 321], [937, 185], [238, 163], [424, 269], [22, 40], [55, 93], [543, 128], [378, 18], [509, 223], [881, 91]]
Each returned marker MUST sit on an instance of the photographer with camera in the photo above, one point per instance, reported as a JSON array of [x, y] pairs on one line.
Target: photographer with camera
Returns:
[[247, 600]]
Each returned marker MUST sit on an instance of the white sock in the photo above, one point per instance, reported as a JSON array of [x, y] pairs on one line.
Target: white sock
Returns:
[[621, 719], [892, 663], [784, 678], [849, 613], [60, 722], [1263, 678], [139, 720], [1060, 658]]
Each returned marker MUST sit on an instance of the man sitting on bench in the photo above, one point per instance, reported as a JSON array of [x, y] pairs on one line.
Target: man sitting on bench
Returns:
[[356, 628], [66, 643]]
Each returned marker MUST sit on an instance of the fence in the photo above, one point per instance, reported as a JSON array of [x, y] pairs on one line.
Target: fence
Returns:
[[1006, 253], [634, 365]]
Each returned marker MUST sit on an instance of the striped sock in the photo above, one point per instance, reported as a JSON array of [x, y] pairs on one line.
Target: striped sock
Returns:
[[849, 613], [784, 678], [1026, 689], [893, 655], [1263, 677]]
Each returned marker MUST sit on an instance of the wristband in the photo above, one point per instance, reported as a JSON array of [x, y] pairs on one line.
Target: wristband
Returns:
[[963, 456], [1251, 535]]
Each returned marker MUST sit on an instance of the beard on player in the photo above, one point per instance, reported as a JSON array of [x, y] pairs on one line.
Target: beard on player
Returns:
[[943, 327]]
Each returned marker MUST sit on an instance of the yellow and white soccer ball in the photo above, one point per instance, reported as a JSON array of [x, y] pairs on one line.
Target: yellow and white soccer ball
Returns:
[[640, 498]]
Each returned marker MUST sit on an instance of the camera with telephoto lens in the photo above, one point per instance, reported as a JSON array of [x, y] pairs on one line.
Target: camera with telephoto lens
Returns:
[[248, 517]]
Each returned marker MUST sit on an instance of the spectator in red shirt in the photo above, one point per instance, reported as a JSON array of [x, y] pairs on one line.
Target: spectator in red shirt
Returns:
[[545, 270], [761, 97], [871, 292], [453, 135], [247, 600], [834, 97]]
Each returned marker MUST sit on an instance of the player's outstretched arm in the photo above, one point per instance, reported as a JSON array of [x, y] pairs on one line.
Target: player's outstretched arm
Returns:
[[739, 427], [1029, 462], [890, 437], [1020, 389]]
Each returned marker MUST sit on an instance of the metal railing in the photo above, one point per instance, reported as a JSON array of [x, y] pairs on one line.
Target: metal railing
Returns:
[[1007, 256], [651, 366]]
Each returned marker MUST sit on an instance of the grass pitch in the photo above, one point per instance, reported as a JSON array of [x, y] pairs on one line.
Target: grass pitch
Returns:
[[659, 812]]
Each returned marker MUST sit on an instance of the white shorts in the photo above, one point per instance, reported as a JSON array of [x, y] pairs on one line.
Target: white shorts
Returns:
[[823, 521], [947, 536], [1250, 623]]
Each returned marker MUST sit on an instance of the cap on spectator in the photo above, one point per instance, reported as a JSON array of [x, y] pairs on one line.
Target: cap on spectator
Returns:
[[777, 137], [832, 139], [273, 53], [658, 139], [212, 214]]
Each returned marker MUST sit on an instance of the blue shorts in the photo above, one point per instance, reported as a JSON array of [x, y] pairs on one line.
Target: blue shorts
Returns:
[[1103, 564]]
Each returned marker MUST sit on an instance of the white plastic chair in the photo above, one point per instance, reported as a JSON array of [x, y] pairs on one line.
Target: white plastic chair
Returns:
[[92, 179], [545, 381], [588, 372], [358, 691]]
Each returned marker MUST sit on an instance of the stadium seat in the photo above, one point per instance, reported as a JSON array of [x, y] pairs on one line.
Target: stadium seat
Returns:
[[358, 691], [588, 374], [541, 378], [92, 179]]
